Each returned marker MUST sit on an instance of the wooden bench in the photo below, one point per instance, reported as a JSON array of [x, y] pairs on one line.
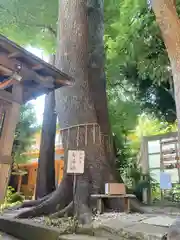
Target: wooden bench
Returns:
[[100, 198]]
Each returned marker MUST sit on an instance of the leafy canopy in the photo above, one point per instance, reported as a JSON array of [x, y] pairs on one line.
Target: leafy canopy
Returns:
[[30, 22], [137, 65], [137, 61]]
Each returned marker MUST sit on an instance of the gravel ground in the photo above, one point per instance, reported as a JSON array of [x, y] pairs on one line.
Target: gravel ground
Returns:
[[152, 211], [98, 218]]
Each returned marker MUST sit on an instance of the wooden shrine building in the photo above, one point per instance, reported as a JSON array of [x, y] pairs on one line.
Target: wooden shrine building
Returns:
[[23, 77]]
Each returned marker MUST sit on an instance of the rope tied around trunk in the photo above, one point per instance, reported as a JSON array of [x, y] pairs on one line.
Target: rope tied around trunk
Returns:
[[96, 128]]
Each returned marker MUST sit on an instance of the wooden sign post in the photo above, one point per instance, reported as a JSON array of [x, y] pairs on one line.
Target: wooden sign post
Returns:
[[75, 165]]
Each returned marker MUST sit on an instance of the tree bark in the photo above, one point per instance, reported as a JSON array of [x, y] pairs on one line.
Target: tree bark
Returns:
[[82, 110], [96, 72], [46, 168], [81, 55], [169, 23]]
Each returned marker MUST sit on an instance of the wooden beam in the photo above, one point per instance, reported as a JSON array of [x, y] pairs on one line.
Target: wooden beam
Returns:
[[5, 71], [63, 82], [8, 97], [38, 67], [14, 55], [32, 59], [26, 73], [6, 84]]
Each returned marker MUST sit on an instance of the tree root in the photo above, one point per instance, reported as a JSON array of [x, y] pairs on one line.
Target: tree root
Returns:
[[28, 204], [34, 203], [48, 207], [59, 203], [136, 206], [49, 204], [68, 210]]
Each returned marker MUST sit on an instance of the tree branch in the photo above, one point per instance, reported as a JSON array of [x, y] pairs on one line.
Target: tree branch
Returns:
[[43, 26]]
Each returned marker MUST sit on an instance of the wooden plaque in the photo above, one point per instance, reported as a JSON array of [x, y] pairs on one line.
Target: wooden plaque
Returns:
[[75, 161]]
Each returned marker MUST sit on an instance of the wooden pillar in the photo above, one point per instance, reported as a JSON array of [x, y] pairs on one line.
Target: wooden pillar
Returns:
[[7, 139], [6, 143], [58, 169], [34, 193], [127, 204], [145, 168], [19, 183]]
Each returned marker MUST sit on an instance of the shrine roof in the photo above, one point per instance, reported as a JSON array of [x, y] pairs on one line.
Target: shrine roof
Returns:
[[36, 76]]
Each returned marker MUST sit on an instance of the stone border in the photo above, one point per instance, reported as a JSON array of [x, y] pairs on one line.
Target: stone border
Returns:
[[27, 230], [124, 234]]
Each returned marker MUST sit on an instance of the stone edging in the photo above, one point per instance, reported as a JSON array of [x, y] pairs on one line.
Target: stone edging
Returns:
[[124, 234], [28, 230], [25, 230]]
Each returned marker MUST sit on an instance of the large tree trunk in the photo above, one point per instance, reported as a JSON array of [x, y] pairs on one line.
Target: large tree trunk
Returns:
[[46, 171], [82, 109], [79, 105], [169, 23]]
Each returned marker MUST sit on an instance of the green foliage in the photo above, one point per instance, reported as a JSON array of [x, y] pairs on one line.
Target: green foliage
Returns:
[[9, 194], [29, 22], [123, 113], [137, 62], [25, 130], [136, 57], [12, 198], [146, 125], [137, 66]]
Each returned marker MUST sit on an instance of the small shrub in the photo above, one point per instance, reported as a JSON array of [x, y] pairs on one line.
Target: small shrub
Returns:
[[16, 197], [12, 198]]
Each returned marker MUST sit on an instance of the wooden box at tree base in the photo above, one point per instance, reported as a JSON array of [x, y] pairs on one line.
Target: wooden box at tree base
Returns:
[[115, 189]]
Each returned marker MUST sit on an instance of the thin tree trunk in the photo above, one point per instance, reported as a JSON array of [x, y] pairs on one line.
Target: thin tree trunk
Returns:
[[46, 168], [169, 23], [96, 61], [97, 77]]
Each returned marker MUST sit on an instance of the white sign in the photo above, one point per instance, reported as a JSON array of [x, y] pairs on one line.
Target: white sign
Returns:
[[165, 181], [75, 161]]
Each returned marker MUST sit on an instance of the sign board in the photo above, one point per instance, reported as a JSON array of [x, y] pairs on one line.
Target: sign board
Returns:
[[165, 181], [75, 161]]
